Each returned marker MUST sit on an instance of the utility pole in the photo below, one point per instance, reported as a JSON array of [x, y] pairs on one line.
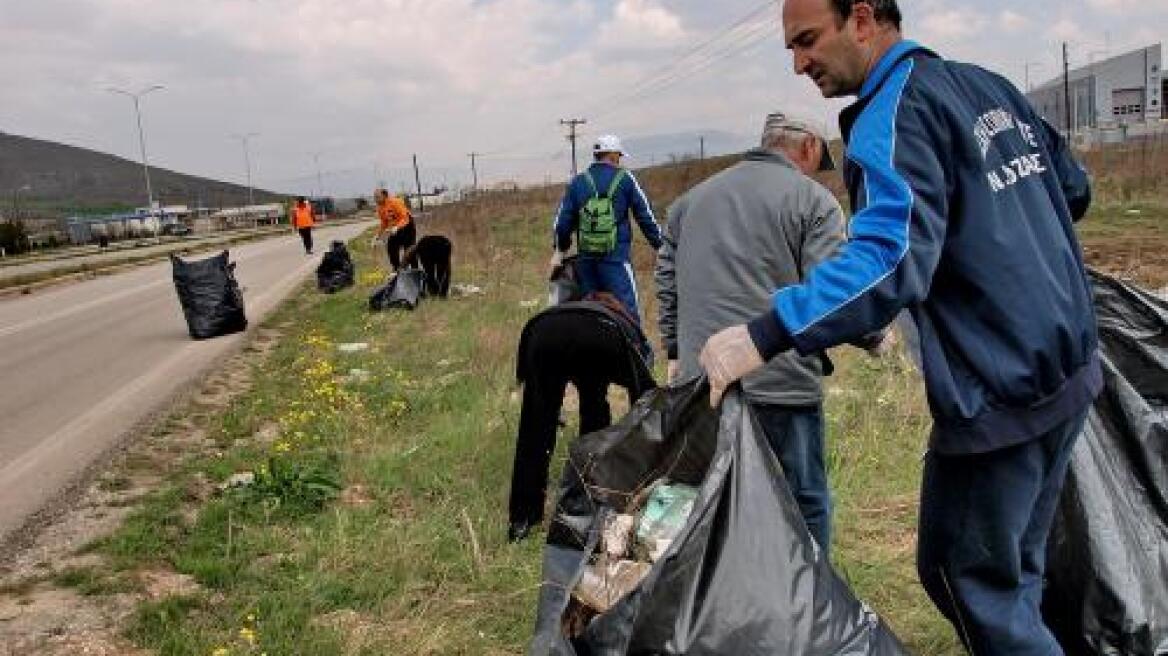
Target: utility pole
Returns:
[[319, 178], [136, 97], [702, 148], [474, 171], [572, 123], [418, 182], [1067, 89], [247, 163]]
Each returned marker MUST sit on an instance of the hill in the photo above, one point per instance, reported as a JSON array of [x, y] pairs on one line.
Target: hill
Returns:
[[45, 179]]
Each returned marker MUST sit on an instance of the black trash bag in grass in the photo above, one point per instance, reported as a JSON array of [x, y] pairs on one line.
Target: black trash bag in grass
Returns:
[[210, 296], [404, 290], [335, 271], [742, 577], [1107, 557]]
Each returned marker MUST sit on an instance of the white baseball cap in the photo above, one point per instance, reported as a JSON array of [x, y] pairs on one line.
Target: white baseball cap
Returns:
[[608, 143]]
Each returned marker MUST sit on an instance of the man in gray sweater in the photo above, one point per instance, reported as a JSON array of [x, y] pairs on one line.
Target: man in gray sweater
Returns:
[[757, 226]]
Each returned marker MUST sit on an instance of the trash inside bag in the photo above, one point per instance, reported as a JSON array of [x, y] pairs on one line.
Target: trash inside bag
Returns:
[[335, 271], [404, 290], [211, 300], [1107, 556], [741, 576], [665, 513]]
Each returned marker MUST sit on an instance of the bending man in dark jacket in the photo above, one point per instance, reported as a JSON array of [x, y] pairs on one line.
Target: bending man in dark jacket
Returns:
[[592, 344], [964, 201]]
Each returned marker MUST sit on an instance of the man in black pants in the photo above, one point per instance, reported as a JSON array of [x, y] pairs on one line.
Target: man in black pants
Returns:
[[432, 255], [591, 344]]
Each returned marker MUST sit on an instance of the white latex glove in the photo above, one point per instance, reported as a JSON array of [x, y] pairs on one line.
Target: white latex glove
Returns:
[[672, 371], [727, 357]]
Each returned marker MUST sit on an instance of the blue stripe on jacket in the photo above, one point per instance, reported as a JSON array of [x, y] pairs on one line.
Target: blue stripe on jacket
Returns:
[[879, 233]]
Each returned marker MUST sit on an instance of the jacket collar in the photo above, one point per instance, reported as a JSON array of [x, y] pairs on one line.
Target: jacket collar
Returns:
[[764, 155], [899, 51]]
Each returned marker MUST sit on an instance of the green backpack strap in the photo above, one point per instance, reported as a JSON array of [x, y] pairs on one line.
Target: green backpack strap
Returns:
[[592, 183], [616, 180]]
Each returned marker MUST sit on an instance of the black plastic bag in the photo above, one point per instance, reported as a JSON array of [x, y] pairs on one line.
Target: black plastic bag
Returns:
[[404, 290], [336, 269], [1107, 562], [210, 296], [564, 282], [743, 577]]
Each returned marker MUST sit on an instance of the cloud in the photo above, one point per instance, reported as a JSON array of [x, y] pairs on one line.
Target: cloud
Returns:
[[955, 24], [1011, 21], [640, 25], [367, 81], [1066, 29]]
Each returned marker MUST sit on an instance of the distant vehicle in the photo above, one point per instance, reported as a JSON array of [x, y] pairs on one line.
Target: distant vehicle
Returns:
[[176, 229]]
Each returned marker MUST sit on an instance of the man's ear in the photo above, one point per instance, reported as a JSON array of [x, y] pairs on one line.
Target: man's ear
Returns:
[[864, 18]]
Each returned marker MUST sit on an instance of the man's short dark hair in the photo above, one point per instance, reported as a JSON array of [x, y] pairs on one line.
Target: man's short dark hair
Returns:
[[884, 11]]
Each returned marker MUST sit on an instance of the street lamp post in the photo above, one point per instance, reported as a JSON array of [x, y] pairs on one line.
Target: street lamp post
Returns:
[[1093, 87], [247, 163], [136, 97], [319, 178], [1027, 66]]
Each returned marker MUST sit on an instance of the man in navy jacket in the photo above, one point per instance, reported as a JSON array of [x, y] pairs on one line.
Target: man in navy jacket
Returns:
[[964, 202], [609, 272]]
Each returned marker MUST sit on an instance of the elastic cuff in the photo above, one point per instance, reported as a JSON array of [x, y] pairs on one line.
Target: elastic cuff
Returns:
[[769, 335]]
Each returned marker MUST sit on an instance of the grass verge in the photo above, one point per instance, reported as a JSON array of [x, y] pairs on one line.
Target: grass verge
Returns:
[[375, 522]]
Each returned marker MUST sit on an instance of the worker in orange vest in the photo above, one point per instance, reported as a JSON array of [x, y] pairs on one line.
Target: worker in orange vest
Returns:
[[302, 221], [398, 222]]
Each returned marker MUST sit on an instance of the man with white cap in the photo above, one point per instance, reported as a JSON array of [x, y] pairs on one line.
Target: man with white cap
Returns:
[[754, 227], [595, 210]]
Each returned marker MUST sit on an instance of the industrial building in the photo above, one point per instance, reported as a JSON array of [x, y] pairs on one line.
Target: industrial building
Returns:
[[1120, 96]]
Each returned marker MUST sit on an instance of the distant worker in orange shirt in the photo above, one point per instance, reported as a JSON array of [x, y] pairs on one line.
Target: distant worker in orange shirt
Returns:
[[303, 220], [398, 222]]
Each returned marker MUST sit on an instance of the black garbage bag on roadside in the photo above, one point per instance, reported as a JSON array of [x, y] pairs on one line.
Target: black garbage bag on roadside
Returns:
[[335, 271], [210, 296], [742, 577], [1107, 562], [404, 290]]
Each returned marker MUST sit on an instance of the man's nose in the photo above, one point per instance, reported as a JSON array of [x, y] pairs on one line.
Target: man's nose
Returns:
[[801, 62]]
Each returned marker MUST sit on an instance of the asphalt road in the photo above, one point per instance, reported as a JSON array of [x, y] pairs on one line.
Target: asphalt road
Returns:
[[82, 364], [96, 258]]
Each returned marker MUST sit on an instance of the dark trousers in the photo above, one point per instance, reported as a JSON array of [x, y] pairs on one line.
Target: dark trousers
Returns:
[[538, 423], [796, 436], [981, 550], [572, 349], [306, 237], [399, 241], [613, 276]]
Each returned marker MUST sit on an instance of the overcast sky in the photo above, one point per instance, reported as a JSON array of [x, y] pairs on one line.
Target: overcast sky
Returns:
[[365, 83]]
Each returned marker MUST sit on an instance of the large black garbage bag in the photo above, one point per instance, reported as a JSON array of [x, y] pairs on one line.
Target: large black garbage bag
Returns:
[[335, 271], [404, 290], [743, 577], [1107, 563], [209, 294]]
